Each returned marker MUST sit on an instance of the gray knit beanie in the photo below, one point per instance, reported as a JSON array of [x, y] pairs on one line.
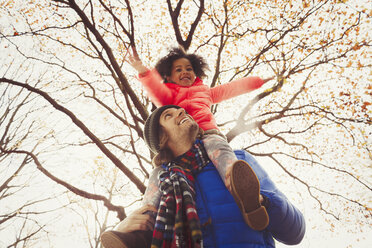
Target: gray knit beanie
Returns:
[[152, 127]]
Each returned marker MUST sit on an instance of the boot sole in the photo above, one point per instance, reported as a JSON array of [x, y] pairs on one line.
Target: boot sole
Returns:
[[111, 240], [246, 192]]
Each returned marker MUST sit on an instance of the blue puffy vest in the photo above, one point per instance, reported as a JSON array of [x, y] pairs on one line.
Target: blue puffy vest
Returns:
[[222, 223]]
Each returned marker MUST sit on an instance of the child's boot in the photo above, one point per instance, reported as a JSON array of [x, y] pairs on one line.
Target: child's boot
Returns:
[[245, 189], [136, 239]]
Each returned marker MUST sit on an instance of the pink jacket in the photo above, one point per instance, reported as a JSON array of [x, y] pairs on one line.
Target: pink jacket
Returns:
[[198, 98]]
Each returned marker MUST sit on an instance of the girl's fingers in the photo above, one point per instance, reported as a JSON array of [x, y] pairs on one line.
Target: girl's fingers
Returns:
[[135, 54], [132, 55], [268, 79]]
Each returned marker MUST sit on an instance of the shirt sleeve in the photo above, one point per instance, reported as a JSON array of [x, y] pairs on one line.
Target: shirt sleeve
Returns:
[[286, 222], [235, 88], [156, 90]]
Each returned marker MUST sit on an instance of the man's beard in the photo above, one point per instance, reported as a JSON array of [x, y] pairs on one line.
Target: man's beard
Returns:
[[193, 132]]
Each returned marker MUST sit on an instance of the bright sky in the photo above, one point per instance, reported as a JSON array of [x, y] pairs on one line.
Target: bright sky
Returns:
[[85, 166]]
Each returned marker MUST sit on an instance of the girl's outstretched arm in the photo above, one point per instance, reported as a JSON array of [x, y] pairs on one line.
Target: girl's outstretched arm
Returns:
[[156, 90], [136, 63], [268, 79], [235, 88]]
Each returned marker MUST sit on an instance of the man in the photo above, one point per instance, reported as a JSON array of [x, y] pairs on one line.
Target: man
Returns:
[[174, 134]]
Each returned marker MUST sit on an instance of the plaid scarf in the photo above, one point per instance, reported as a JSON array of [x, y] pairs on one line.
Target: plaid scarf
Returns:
[[177, 223]]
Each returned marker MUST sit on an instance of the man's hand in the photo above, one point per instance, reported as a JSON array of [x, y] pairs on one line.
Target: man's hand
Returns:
[[135, 62], [138, 220]]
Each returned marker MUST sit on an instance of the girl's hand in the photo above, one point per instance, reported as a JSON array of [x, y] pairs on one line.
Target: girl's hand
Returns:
[[268, 79], [136, 62]]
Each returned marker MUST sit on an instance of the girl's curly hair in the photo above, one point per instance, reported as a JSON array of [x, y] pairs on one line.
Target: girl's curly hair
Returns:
[[164, 65]]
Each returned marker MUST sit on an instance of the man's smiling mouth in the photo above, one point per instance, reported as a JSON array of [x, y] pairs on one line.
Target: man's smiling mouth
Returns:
[[183, 120]]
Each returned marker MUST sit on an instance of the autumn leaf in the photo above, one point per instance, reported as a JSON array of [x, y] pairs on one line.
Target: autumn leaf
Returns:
[[365, 104], [268, 90], [360, 65], [305, 4]]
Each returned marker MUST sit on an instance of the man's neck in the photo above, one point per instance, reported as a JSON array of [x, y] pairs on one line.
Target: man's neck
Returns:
[[181, 147]]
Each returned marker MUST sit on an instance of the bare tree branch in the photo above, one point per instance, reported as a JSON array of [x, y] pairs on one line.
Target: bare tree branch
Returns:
[[85, 129]]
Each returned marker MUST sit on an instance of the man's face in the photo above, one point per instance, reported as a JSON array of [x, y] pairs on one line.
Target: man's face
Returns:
[[179, 126]]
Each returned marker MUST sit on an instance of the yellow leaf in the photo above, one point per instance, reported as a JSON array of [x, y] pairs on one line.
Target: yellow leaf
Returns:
[[359, 65], [268, 90], [321, 20]]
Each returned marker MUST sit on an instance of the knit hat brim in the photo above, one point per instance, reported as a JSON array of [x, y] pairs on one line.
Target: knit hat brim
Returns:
[[152, 128]]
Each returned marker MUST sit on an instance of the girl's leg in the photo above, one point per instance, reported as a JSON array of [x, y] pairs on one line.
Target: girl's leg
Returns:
[[152, 194], [240, 180], [220, 153]]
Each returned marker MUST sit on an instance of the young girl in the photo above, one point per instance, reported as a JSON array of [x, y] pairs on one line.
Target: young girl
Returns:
[[177, 80]]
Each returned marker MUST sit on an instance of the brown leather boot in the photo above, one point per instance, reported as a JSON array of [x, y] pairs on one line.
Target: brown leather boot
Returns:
[[136, 239], [245, 188]]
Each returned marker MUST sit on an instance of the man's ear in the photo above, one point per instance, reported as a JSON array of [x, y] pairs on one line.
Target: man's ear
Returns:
[[163, 138]]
